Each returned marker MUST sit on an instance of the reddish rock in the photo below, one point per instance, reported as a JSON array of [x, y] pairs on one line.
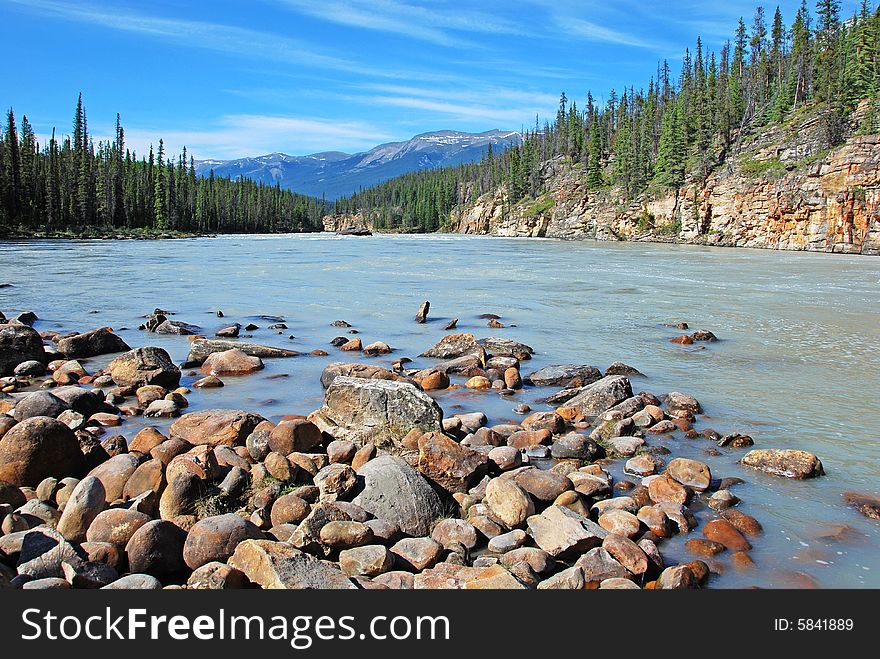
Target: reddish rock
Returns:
[[723, 532]]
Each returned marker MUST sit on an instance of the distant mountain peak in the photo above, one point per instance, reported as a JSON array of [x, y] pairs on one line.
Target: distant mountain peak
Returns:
[[335, 173]]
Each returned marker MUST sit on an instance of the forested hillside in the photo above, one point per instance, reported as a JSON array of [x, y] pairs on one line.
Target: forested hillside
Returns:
[[678, 129], [73, 185]]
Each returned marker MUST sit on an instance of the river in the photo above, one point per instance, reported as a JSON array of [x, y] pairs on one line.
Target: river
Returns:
[[796, 366]]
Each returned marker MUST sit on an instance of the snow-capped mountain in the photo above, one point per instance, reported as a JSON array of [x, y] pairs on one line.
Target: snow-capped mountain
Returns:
[[335, 174]]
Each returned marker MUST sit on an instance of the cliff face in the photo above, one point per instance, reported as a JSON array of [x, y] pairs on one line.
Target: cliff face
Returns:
[[779, 190], [335, 223]]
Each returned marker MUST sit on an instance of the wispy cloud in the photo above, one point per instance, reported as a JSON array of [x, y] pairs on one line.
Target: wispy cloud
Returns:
[[595, 32], [436, 24], [198, 34], [239, 136]]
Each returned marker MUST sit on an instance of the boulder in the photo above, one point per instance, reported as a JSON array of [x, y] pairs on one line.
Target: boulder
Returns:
[[289, 509], [562, 532], [565, 375], [335, 481], [542, 485], [452, 346], [114, 474], [86, 501], [679, 402], [508, 503], [596, 398], [202, 348], [176, 327], [575, 446], [231, 362], [691, 473], [135, 582], [143, 366], [377, 411], [101, 341], [417, 554], [495, 577], [43, 553], [454, 467], [116, 526], [368, 561], [216, 576], [598, 564], [784, 462], [37, 448], [39, 403], [344, 534], [215, 539], [294, 436], [307, 536], [396, 492], [278, 565], [451, 533], [156, 548], [500, 347], [365, 371], [19, 343], [216, 427]]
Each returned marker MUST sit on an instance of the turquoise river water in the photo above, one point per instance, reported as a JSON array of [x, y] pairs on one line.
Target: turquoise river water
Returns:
[[797, 364]]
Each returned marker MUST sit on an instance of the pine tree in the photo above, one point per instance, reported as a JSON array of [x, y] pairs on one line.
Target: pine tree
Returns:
[[594, 164], [669, 168], [160, 214]]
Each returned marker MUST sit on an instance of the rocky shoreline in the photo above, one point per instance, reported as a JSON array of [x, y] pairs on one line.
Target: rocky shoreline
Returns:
[[379, 488]]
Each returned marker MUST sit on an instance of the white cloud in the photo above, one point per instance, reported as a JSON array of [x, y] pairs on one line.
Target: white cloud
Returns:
[[432, 24], [595, 32], [198, 34], [239, 136]]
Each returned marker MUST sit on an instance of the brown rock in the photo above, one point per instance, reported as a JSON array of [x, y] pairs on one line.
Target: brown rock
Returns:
[[156, 548], [723, 532], [691, 473], [664, 488], [278, 565], [215, 427], [215, 539], [743, 523], [36, 448], [452, 466], [116, 526], [626, 552], [784, 462]]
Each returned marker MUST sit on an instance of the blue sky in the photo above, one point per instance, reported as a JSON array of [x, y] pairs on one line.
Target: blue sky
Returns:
[[230, 79]]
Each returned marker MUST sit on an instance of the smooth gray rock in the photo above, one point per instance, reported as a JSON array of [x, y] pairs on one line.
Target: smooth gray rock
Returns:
[[396, 492]]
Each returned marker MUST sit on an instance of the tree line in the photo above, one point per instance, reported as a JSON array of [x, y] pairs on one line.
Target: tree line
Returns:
[[74, 184], [676, 130]]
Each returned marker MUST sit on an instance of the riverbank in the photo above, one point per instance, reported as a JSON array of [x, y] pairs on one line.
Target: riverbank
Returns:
[[376, 488]]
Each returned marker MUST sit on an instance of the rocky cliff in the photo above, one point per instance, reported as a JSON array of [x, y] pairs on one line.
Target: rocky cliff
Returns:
[[339, 223], [777, 189]]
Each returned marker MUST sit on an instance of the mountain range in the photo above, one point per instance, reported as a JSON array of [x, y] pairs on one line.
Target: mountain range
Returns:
[[335, 174]]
